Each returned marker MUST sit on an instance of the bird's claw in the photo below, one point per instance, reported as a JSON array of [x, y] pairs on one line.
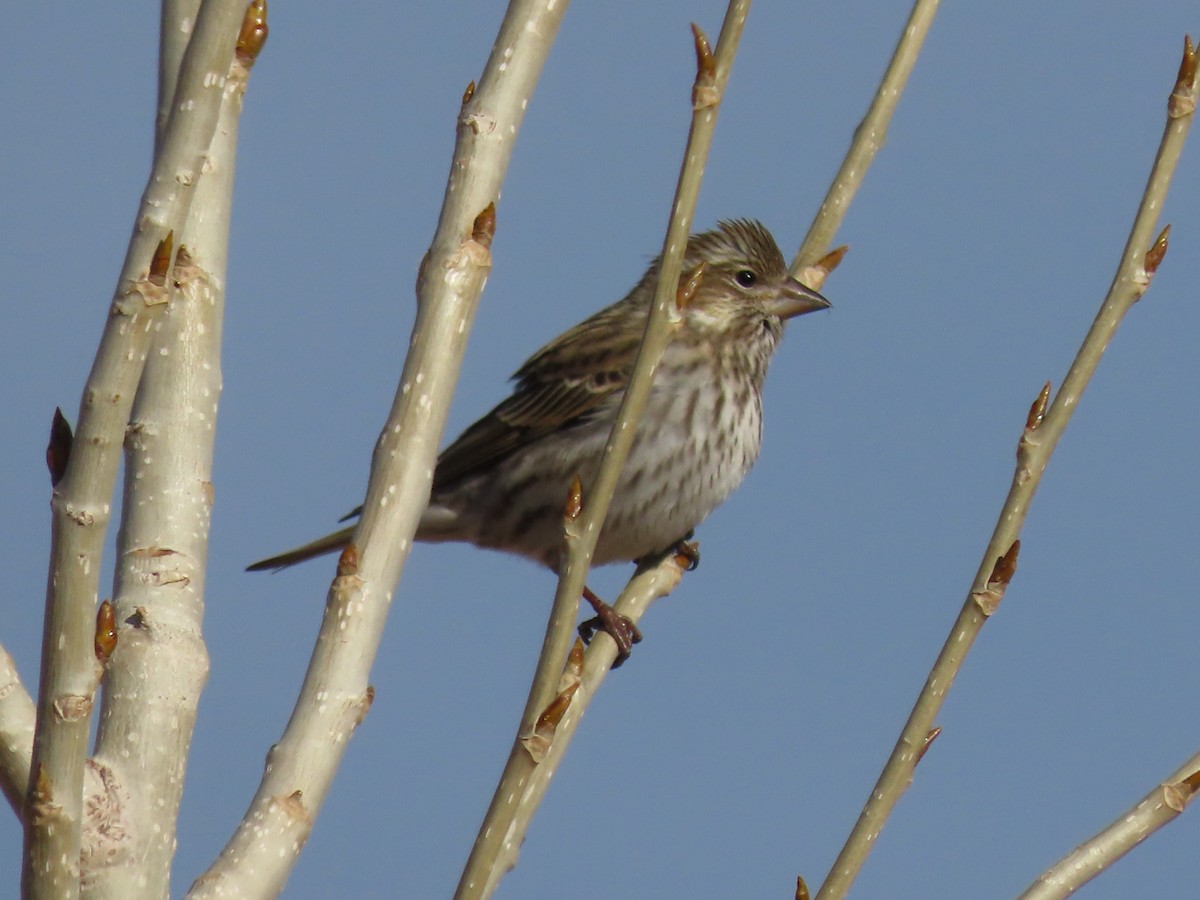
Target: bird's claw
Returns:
[[619, 627], [689, 552]]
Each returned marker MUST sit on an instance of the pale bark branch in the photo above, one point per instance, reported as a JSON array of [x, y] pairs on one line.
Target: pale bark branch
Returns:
[[18, 717], [868, 139], [1161, 806], [335, 695], [546, 742], [82, 501], [176, 20], [1043, 429], [503, 829], [153, 679]]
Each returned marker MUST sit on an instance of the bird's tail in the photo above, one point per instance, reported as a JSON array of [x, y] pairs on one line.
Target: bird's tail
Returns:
[[330, 543]]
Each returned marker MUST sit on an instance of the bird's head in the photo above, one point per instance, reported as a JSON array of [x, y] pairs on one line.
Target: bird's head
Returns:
[[745, 280]]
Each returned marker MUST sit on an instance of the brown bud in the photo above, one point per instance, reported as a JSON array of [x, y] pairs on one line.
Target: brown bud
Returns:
[[688, 287], [537, 743], [1183, 97], [927, 743], [1037, 411], [348, 561], [253, 34], [160, 265], [1187, 65], [573, 508], [1006, 566], [105, 641], [575, 660], [484, 228], [554, 713], [833, 258], [801, 889], [468, 93], [1154, 256], [814, 276], [704, 88], [58, 450]]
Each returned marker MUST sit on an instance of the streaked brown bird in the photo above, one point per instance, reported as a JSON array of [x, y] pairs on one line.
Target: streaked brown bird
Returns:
[[503, 483]]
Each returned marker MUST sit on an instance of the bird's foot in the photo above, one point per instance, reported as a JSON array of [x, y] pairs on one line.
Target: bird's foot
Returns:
[[688, 550], [620, 628]]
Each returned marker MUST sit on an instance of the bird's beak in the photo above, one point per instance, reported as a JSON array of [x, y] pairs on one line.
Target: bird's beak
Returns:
[[794, 299]]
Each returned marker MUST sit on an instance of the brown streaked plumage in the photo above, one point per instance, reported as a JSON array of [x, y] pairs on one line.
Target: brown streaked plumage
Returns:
[[503, 483]]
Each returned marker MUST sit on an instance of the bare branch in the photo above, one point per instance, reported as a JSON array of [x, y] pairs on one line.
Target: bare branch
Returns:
[[500, 835], [1041, 434], [868, 139], [17, 718], [335, 694], [1163, 805], [82, 501], [557, 723]]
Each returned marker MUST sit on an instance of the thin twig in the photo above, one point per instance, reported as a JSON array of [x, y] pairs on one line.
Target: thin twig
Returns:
[[1161, 806], [552, 733], [868, 138], [1043, 429], [500, 836]]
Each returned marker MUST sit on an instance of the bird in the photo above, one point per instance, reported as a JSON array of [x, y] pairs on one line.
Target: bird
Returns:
[[503, 483]]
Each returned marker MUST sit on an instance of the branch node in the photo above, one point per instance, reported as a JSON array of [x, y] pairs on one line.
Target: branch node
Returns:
[[537, 742], [1183, 97], [1005, 567], [1180, 793], [365, 702], [704, 88], [927, 743], [1192, 781], [988, 599], [72, 707], [814, 276], [41, 809], [293, 806]]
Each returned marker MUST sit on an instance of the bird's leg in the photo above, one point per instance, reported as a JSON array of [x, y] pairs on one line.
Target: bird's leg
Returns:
[[620, 628]]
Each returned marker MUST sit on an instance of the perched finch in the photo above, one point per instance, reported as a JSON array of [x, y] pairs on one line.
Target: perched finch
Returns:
[[503, 483]]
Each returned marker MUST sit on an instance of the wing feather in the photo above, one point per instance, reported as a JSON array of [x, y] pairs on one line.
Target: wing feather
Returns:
[[563, 383]]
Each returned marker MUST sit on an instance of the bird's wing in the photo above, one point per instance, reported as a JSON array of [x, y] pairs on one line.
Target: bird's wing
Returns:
[[560, 385]]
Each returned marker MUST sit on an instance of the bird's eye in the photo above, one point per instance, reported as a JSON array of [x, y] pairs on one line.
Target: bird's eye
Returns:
[[746, 278]]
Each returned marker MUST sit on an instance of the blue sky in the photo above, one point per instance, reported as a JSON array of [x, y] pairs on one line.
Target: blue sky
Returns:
[[735, 750]]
